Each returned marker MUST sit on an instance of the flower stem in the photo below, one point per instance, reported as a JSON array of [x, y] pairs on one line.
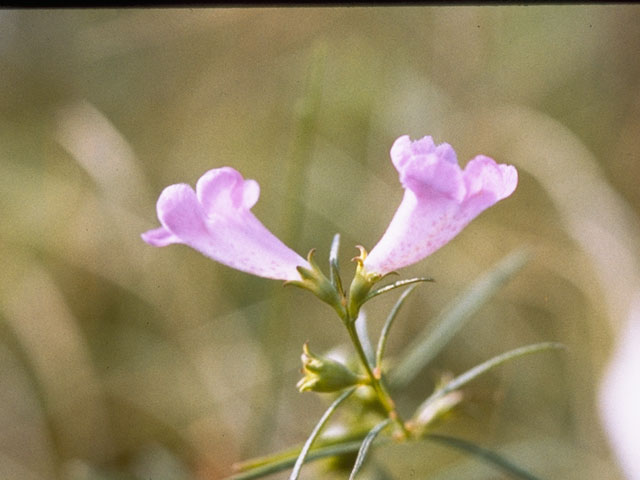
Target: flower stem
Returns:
[[375, 378]]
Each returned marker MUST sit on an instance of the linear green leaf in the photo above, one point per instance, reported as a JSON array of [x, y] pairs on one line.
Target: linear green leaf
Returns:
[[484, 367], [489, 456], [316, 431], [427, 346], [366, 445], [387, 324], [398, 284]]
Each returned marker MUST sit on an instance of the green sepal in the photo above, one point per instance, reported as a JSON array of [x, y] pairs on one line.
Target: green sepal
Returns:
[[317, 283], [361, 285]]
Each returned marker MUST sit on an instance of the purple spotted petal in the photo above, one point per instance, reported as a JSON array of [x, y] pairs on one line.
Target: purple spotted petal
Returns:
[[216, 220], [440, 199]]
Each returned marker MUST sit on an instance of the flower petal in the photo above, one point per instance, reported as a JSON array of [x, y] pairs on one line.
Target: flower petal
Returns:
[[484, 174], [439, 201], [220, 190], [419, 227], [425, 168], [486, 183], [224, 188], [180, 213], [244, 243], [159, 237], [217, 221]]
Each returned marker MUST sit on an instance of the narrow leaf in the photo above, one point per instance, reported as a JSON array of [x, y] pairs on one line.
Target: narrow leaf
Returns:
[[334, 270], [382, 342], [398, 284], [489, 456], [366, 445], [484, 367], [428, 344], [316, 431]]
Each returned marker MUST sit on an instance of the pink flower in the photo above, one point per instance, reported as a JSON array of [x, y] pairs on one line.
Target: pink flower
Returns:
[[440, 199], [217, 221]]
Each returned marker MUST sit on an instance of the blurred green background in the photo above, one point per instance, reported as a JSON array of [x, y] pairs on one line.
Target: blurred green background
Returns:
[[123, 361]]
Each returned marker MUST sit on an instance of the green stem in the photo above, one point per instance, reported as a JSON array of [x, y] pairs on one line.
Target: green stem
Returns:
[[383, 396]]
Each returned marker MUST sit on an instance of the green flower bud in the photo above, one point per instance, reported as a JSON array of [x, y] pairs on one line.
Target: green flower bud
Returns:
[[323, 374]]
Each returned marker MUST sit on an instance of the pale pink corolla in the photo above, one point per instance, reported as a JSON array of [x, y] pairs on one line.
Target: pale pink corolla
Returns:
[[216, 220], [440, 199]]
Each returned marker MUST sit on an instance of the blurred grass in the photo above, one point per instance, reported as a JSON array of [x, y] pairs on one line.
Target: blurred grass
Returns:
[[124, 361]]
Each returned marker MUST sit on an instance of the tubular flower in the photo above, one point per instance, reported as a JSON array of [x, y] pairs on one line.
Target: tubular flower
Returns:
[[216, 220], [440, 199]]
